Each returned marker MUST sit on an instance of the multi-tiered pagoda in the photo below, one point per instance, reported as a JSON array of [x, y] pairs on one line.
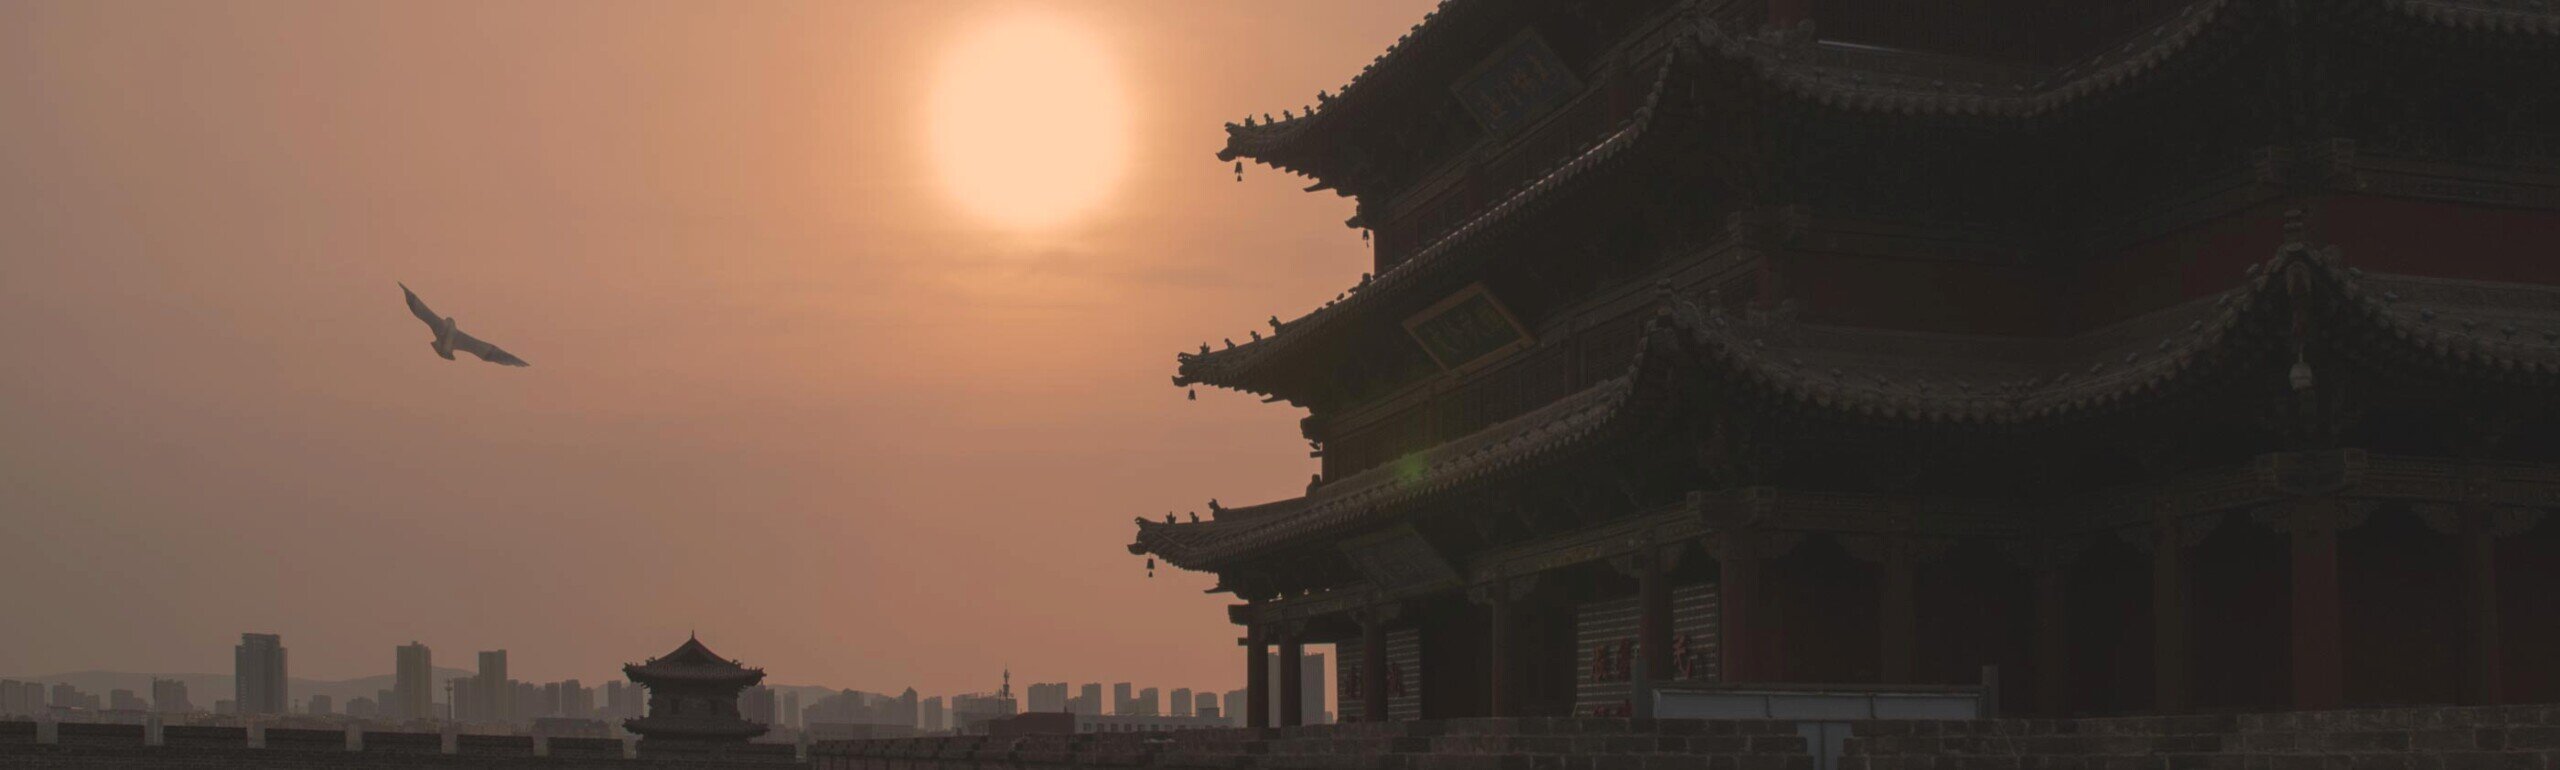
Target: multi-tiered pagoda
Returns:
[[2170, 356], [693, 697]]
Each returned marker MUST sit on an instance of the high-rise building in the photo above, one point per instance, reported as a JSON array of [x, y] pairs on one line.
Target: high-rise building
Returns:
[[67, 696], [14, 699], [169, 696], [126, 700], [493, 697], [623, 701], [463, 698], [1311, 680], [322, 705], [527, 702], [1121, 703], [1048, 696], [413, 689], [257, 674], [759, 705], [362, 707], [577, 701], [791, 708], [932, 713], [1146, 703], [1234, 707], [1206, 706], [1181, 704], [904, 712], [1089, 699]]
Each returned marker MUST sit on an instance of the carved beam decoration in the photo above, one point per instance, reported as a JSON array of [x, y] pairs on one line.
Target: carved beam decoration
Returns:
[[2045, 553], [1508, 589], [1646, 554], [2314, 515], [2500, 520], [1381, 613], [1884, 548], [2187, 530], [2304, 474]]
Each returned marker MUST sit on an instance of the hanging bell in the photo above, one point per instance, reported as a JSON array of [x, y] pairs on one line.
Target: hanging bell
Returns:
[[2301, 375], [1151, 566], [1195, 394], [1239, 171], [1364, 235]]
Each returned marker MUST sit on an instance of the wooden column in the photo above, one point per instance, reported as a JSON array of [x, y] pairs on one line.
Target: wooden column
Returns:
[[1257, 677], [2476, 528], [1738, 616], [2318, 641], [1293, 711], [1744, 652], [1897, 620], [2478, 552], [1896, 554], [2052, 642], [1500, 598], [1498, 641], [1653, 618], [2168, 616], [1373, 666], [2319, 660], [2047, 562]]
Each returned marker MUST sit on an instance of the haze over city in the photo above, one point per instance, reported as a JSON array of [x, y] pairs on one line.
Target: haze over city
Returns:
[[797, 382]]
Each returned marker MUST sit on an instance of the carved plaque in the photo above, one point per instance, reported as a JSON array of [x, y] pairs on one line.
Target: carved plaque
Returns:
[[1468, 328], [1517, 84], [1399, 562]]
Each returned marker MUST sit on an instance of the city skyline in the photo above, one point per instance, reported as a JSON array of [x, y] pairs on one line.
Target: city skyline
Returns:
[[260, 655]]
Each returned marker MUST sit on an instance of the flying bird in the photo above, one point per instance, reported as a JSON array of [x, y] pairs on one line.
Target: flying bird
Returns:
[[449, 338]]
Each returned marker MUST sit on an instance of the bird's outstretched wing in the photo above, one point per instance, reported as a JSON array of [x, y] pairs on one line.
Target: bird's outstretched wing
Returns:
[[487, 352], [419, 308]]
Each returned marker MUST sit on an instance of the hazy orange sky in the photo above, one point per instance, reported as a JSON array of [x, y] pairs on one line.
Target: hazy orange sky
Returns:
[[784, 390]]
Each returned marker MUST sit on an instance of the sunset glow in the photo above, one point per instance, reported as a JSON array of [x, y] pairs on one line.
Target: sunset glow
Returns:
[[1028, 124]]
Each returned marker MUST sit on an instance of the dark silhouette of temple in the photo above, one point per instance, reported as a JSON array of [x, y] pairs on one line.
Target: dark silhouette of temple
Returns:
[[2169, 356], [693, 697]]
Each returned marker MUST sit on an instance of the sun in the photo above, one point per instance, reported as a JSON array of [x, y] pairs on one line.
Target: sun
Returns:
[[1028, 125]]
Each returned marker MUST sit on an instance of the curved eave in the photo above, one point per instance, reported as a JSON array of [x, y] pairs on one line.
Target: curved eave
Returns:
[[1570, 426], [2477, 345], [742, 677], [1285, 144], [1245, 367], [2505, 18], [2516, 344]]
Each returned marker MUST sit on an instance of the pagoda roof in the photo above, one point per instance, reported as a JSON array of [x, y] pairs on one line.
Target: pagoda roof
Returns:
[[1836, 76], [1855, 76], [1383, 81], [1242, 367], [692, 662], [2503, 333], [1567, 425]]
